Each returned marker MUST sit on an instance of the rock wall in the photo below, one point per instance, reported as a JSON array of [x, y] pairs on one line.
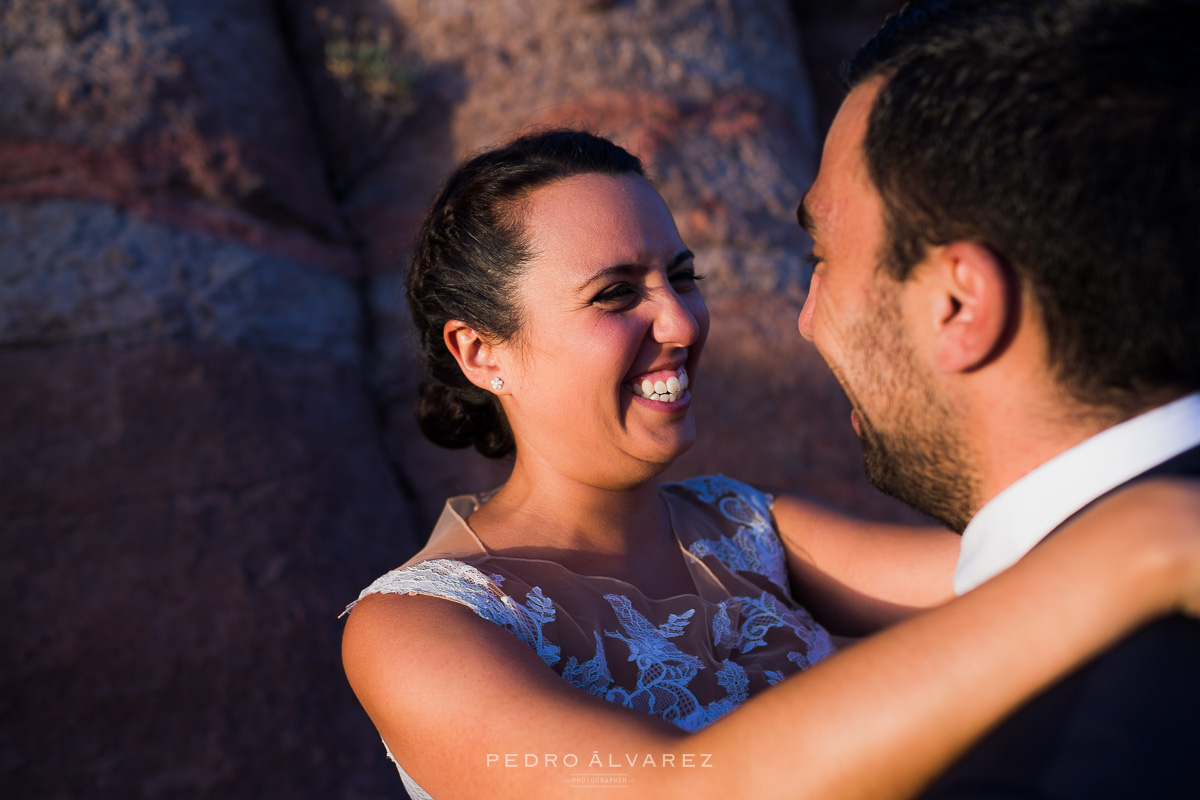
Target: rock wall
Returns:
[[206, 447]]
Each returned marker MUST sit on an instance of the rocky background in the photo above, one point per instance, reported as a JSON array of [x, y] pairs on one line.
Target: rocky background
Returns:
[[206, 446]]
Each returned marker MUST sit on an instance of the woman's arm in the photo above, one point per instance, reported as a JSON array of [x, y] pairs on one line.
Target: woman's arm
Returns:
[[454, 695], [857, 576]]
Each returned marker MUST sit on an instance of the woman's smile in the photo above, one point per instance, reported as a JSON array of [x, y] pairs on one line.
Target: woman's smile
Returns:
[[666, 389]]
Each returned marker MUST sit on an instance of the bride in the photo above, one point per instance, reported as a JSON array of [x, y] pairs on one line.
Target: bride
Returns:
[[583, 625]]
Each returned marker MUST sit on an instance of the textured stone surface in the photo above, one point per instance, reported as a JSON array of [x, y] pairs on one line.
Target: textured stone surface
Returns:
[[85, 271], [182, 526], [190, 108], [193, 481]]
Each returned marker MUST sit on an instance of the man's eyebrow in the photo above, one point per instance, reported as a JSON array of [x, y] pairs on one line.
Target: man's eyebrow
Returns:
[[804, 218], [629, 269], [680, 257]]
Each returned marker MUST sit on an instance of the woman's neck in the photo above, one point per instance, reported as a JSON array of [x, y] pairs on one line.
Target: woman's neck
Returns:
[[597, 530], [566, 512]]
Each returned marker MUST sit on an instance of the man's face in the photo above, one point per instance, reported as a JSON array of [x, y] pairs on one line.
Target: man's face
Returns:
[[855, 316]]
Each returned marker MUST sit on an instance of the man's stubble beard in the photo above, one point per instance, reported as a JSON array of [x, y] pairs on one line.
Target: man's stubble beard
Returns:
[[920, 459]]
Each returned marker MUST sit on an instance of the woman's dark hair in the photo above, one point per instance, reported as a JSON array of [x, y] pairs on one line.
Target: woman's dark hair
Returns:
[[469, 253]]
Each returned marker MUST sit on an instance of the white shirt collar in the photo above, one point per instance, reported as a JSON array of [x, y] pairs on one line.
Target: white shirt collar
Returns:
[[1014, 521]]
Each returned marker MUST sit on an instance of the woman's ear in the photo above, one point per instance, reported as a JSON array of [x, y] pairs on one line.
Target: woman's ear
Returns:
[[473, 353], [975, 308]]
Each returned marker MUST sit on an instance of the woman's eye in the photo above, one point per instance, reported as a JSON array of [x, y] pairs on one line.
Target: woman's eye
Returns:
[[812, 259], [614, 294]]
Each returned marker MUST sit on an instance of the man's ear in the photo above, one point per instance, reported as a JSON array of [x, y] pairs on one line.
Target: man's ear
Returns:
[[473, 353], [974, 306]]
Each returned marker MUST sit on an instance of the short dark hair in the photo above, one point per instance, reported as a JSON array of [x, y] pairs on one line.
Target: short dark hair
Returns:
[[1064, 136], [467, 257]]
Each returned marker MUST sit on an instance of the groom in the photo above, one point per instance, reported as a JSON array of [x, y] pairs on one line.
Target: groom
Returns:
[[1006, 229]]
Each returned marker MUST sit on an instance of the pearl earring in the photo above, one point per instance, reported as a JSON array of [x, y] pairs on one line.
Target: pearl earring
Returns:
[[497, 384]]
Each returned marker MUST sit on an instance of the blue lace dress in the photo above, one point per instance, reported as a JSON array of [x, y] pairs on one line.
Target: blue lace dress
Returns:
[[688, 659]]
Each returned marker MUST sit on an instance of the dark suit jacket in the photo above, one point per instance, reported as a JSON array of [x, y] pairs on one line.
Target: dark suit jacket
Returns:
[[1125, 727]]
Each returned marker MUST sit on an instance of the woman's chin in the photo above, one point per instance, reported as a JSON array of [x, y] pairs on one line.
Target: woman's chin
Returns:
[[669, 448]]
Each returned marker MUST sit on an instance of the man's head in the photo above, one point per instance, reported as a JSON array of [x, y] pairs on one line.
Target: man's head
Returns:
[[1000, 167], [1064, 137]]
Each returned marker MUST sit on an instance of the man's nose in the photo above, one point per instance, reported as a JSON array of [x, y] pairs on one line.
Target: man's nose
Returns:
[[806, 313]]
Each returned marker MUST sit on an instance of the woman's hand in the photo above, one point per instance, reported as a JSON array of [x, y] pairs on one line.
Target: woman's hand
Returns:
[[1158, 521]]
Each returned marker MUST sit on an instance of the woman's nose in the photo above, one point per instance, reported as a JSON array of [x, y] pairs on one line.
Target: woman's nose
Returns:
[[676, 321]]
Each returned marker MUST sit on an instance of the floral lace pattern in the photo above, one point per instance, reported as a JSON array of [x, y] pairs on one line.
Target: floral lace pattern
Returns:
[[664, 671], [688, 659], [755, 546], [454, 580]]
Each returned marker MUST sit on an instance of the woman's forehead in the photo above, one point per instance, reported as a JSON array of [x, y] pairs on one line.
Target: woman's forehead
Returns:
[[599, 220]]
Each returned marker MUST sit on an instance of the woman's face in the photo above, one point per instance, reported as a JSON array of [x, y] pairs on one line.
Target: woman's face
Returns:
[[611, 313]]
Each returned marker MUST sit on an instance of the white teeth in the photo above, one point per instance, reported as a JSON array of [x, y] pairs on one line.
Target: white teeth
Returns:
[[667, 391]]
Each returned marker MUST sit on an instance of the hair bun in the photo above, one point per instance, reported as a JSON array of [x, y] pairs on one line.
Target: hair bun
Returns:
[[451, 418]]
